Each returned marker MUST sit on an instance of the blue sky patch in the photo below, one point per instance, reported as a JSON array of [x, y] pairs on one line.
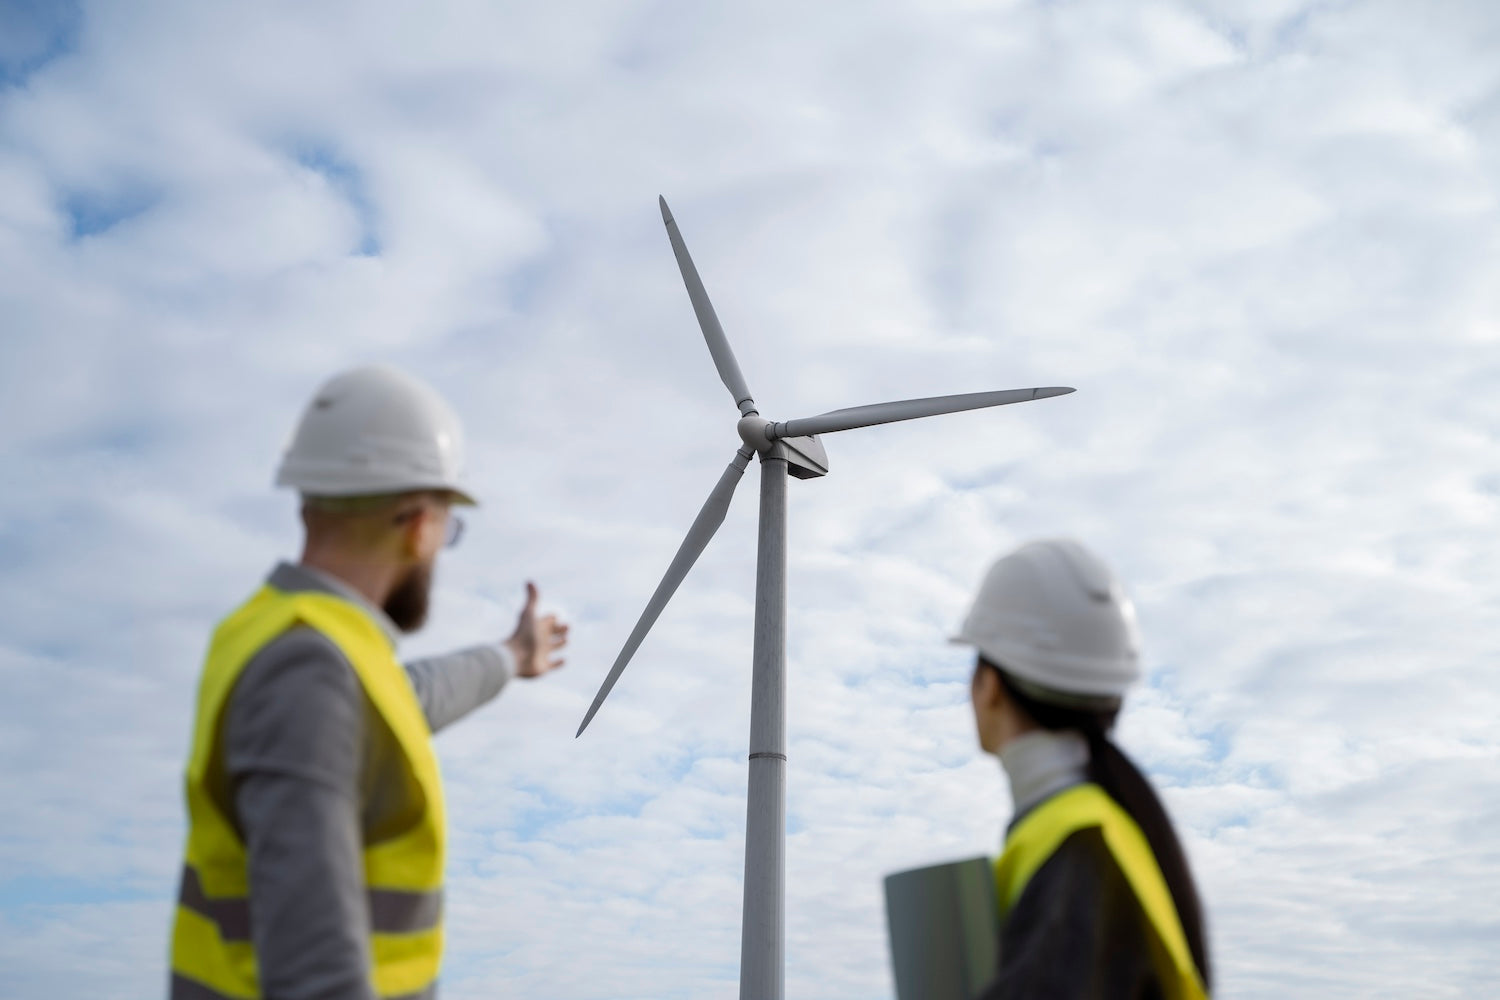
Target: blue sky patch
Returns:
[[349, 181], [93, 213], [33, 33], [32, 890]]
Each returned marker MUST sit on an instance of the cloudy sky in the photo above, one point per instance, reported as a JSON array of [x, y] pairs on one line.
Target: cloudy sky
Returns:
[[1260, 236]]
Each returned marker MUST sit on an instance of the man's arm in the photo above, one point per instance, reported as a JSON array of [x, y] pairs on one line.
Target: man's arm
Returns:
[[294, 748], [450, 687]]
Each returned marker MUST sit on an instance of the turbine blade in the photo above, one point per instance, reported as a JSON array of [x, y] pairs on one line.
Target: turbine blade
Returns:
[[718, 344], [907, 409], [704, 526]]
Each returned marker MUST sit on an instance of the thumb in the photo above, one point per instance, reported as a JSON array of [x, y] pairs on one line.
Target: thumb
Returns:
[[531, 595]]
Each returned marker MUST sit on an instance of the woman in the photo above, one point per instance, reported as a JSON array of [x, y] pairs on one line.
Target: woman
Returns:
[[1095, 895]]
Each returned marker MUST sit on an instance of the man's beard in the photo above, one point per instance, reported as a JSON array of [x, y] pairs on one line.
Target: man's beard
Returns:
[[407, 603]]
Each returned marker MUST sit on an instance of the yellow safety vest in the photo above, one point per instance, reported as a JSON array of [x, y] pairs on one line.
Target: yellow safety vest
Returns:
[[1042, 831], [212, 954]]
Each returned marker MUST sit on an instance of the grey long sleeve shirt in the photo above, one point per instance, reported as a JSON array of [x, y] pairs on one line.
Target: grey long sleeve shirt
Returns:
[[315, 774]]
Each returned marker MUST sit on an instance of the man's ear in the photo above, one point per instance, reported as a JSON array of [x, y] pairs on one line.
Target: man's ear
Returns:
[[412, 530]]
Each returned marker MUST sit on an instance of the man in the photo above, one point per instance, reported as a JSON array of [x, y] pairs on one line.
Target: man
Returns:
[[314, 856]]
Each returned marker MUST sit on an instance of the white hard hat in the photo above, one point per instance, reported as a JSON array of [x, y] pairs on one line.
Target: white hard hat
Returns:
[[1053, 616], [375, 430]]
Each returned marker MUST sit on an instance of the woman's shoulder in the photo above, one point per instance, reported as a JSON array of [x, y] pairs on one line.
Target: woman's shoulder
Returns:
[[1082, 869], [1077, 930]]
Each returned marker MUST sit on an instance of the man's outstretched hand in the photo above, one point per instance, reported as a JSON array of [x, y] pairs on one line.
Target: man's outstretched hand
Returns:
[[536, 640]]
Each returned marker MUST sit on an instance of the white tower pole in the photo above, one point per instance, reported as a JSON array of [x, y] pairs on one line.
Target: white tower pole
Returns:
[[789, 448], [762, 930]]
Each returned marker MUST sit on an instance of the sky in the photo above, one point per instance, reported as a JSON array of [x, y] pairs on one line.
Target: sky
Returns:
[[1260, 238]]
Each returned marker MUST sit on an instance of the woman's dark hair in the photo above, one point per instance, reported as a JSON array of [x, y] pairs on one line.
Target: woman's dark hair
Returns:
[[1116, 774]]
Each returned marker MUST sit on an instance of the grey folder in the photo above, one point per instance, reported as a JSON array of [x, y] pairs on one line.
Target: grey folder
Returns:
[[944, 928]]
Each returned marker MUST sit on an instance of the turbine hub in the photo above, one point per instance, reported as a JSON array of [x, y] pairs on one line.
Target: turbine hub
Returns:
[[753, 431]]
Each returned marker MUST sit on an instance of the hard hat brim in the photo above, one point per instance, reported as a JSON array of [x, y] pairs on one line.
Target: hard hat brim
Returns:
[[321, 481]]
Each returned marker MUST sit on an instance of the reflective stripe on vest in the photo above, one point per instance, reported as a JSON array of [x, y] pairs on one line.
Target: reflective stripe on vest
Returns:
[[1042, 831], [212, 954], [183, 988], [391, 911]]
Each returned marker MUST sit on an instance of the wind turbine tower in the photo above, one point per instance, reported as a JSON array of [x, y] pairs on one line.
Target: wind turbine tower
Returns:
[[789, 448]]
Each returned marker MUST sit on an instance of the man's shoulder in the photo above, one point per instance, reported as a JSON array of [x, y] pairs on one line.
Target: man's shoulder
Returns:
[[301, 660], [296, 704]]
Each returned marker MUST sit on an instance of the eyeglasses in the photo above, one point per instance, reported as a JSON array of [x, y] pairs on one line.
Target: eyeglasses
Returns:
[[455, 525]]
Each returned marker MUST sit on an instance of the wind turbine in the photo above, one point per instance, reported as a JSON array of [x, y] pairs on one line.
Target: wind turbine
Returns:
[[785, 448]]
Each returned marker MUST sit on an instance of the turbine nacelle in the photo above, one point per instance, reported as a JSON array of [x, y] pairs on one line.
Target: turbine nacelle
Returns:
[[805, 457]]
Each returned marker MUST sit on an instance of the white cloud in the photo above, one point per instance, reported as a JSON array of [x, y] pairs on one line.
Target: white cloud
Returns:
[[1259, 238]]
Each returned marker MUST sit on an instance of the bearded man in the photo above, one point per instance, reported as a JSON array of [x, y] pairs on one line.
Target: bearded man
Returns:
[[314, 858]]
